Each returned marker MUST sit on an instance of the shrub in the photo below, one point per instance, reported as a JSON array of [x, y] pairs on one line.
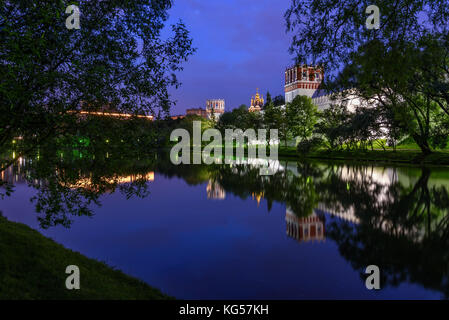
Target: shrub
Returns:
[[310, 145]]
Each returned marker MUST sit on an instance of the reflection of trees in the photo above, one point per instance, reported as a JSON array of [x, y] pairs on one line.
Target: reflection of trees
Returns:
[[295, 190], [70, 186], [403, 230]]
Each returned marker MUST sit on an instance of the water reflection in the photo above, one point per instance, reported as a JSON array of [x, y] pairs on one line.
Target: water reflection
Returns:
[[396, 218], [305, 229]]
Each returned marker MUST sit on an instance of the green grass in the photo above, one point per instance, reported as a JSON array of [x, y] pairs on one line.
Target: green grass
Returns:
[[33, 267], [380, 156]]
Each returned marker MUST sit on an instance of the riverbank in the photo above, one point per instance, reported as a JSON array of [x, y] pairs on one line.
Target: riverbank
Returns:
[[373, 156], [379, 156], [33, 267]]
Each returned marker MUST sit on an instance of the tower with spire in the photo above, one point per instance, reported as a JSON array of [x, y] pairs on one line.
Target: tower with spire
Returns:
[[257, 102]]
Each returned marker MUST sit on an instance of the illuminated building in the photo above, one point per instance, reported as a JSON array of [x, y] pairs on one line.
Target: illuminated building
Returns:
[[257, 102], [302, 81], [215, 108], [198, 112]]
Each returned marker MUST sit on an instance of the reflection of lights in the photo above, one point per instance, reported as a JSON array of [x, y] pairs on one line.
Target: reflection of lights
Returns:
[[258, 197], [215, 191], [86, 183], [111, 114]]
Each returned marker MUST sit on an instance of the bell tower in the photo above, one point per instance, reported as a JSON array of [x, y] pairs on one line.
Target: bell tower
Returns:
[[302, 80]]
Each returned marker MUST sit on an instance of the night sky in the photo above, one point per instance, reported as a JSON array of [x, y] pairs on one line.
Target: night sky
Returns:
[[241, 45]]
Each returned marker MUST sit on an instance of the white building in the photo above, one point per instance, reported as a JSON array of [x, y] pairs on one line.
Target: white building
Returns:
[[306, 81], [215, 108]]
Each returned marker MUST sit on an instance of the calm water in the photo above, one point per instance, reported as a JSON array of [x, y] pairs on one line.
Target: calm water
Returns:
[[222, 232]]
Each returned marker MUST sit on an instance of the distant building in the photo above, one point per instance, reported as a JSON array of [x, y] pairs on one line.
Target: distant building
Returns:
[[303, 80], [215, 108], [198, 112], [257, 102]]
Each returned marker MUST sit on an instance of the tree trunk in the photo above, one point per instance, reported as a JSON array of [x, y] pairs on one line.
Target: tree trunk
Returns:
[[423, 144]]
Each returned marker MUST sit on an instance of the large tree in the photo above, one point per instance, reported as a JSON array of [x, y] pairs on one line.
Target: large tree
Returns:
[[403, 65], [328, 32], [118, 57], [302, 116]]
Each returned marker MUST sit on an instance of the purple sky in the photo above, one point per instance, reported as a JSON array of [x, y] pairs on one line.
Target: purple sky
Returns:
[[241, 45]]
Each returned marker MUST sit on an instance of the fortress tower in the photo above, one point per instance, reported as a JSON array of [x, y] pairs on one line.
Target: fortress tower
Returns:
[[215, 108], [302, 80]]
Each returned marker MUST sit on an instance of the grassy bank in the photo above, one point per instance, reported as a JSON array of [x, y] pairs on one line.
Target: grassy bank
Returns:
[[33, 267], [374, 156], [407, 154]]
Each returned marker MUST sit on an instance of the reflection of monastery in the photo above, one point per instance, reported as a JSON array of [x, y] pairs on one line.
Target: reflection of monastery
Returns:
[[18, 174], [305, 229], [215, 191]]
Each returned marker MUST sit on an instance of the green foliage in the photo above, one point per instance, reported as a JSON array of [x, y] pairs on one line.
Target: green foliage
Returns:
[[240, 118], [33, 267], [331, 125], [279, 101], [268, 99], [275, 118], [403, 66], [309, 145], [302, 116], [117, 58]]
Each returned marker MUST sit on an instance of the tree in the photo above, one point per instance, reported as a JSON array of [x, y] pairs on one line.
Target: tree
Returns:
[[268, 99], [331, 122], [117, 57], [393, 78], [403, 65], [279, 101], [301, 117], [239, 118], [274, 118], [330, 34]]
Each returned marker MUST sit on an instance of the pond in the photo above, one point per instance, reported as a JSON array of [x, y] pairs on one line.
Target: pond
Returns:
[[224, 232]]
